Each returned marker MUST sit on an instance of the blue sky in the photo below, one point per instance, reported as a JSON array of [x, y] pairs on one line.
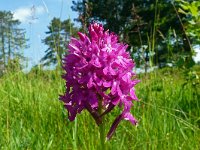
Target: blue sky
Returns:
[[35, 16]]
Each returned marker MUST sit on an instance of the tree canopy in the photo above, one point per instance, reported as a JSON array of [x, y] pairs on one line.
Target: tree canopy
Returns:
[[12, 40], [152, 28], [58, 35]]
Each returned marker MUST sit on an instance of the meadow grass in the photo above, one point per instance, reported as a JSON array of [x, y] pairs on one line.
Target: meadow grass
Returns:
[[32, 117]]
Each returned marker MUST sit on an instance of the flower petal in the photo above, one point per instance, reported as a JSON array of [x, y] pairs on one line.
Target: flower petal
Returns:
[[128, 116], [132, 94]]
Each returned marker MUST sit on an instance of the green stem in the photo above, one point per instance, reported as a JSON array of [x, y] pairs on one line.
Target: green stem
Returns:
[[102, 135], [75, 135], [101, 127]]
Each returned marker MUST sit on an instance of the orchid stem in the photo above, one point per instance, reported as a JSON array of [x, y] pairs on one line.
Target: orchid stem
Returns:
[[75, 135], [101, 126], [102, 135]]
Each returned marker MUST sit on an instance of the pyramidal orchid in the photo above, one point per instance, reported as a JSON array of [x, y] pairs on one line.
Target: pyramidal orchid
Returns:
[[99, 76]]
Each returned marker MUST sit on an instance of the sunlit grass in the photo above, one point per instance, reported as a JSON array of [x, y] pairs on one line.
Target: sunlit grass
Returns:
[[32, 117]]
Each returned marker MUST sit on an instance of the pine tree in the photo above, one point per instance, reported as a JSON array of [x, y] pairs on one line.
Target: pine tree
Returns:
[[12, 40], [58, 34]]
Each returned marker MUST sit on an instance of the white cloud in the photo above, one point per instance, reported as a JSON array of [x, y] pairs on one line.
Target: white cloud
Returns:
[[197, 57], [29, 14]]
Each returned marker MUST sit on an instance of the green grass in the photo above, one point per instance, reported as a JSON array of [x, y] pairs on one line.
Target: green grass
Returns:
[[32, 117]]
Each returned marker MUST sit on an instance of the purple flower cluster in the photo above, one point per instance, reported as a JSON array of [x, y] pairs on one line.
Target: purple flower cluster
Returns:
[[99, 70]]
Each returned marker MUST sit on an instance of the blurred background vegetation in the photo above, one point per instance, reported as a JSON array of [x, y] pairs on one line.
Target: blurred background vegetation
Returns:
[[163, 36], [159, 32]]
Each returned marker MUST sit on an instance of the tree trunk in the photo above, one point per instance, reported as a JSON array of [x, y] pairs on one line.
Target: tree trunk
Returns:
[[3, 50], [9, 48]]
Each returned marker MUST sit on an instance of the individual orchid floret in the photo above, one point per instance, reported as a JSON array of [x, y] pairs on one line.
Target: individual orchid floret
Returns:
[[99, 73]]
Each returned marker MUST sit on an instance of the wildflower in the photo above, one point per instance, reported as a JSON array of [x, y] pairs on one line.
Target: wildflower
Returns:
[[99, 73]]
